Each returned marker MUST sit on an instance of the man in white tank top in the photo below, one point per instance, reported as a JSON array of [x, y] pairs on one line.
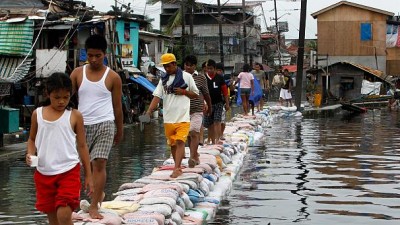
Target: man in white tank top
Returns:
[[99, 94]]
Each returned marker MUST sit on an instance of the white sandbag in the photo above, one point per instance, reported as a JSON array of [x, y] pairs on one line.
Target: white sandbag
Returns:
[[209, 183], [176, 186], [132, 198], [179, 210], [184, 187], [186, 200], [133, 191], [209, 151], [169, 193], [181, 203], [141, 221], [164, 209], [204, 187], [210, 208], [129, 217], [130, 186], [176, 218], [158, 200], [192, 184]]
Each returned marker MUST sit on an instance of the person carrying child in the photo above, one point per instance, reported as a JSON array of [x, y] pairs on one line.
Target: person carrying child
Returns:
[[57, 138]]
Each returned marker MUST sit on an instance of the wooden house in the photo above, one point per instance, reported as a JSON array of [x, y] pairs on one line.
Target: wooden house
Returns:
[[356, 33]]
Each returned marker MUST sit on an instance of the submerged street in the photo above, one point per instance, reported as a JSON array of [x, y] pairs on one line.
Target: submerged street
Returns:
[[342, 169]]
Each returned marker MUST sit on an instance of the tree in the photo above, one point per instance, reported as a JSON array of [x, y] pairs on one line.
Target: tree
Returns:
[[178, 19]]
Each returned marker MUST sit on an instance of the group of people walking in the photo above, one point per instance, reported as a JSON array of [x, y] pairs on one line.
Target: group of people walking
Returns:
[[64, 138]]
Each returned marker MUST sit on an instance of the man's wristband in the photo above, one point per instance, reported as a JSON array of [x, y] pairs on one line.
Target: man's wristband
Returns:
[[184, 92]]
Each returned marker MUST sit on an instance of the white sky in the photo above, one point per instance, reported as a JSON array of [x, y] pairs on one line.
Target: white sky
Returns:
[[283, 6]]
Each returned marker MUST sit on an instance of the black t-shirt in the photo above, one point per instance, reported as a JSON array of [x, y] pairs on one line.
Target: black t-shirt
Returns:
[[288, 80], [215, 88]]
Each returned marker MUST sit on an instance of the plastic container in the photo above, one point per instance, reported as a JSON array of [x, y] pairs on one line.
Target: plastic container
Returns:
[[317, 100]]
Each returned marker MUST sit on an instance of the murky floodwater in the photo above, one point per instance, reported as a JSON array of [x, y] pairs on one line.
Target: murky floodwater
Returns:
[[344, 169], [341, 170]]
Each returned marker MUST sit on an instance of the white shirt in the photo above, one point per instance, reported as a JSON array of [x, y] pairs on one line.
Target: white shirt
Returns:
[[56, 144], [95, 100], [176, 107]]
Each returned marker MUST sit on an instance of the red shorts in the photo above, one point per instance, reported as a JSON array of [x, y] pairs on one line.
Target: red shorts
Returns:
[[58, 190]]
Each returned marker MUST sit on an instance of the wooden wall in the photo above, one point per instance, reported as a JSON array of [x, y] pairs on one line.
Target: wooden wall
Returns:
[[393, 61], [339, 32]]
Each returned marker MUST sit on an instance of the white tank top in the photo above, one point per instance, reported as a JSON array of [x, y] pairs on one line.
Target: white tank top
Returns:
[[95, 100], [56, 144]]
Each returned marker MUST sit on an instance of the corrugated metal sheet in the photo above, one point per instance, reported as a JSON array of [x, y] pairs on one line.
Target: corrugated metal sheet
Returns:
[[367, 69], [21, 4], [16, 38], [8, 66]]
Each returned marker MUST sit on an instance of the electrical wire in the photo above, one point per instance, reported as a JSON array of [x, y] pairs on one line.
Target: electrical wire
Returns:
[[32, 74]]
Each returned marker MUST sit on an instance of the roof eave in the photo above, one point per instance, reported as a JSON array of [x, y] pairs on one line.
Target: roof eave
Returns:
[[315, 15]]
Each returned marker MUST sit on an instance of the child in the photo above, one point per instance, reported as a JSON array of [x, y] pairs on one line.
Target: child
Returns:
[[57, 137]]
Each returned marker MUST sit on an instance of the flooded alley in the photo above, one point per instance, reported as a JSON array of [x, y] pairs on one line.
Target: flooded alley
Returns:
[[342, 169]]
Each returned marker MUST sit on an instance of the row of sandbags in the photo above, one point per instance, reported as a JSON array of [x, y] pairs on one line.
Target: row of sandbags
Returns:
[[193, 197]]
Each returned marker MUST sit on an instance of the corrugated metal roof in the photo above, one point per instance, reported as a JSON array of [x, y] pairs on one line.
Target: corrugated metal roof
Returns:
[[8, 66], [367, 69], [21, 4], [16, 38]]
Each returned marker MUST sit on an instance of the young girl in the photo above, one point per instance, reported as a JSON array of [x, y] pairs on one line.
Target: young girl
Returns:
[[57, 137], [246, 82]]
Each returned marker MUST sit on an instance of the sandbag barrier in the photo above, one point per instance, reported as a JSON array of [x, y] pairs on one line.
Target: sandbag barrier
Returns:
[[192, 198]]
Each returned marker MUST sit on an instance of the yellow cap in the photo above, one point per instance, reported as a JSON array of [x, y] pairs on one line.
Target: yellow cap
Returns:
[[167, 58]]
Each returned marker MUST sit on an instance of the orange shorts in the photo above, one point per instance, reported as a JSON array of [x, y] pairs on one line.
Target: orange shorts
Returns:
[[176, 131], [58, 190]]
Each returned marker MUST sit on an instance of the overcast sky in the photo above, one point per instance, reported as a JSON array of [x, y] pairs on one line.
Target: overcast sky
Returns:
[[288, 11]]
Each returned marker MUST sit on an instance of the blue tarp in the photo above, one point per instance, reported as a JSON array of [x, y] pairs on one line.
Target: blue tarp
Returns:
[[144, 82]]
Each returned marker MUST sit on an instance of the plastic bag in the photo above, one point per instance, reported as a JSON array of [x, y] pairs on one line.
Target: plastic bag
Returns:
[[238, 98], [258, 92]]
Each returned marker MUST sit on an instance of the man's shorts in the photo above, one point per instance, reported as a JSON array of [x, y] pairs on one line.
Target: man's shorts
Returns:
[[100, 138], [245, 91], [216, 115], [58, 190], [196, 120], [175, 132]]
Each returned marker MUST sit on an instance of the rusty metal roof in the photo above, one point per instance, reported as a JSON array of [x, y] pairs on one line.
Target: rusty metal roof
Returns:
[[367, 69], [377, 73]]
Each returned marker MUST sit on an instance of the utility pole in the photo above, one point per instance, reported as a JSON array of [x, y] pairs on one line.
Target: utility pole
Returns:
[[221, 38], [191, 31], [265, 20], [300, 54], [183, 42], [278, 34], [244, 32]]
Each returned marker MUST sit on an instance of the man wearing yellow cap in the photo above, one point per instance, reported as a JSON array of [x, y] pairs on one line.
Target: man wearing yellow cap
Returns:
[[176, 88]]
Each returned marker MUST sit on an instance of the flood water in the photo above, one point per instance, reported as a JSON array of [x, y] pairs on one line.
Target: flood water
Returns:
[[342, 169]]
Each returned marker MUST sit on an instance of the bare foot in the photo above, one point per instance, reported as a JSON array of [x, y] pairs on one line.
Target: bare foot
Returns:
[[94, 213], [176, 173]]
